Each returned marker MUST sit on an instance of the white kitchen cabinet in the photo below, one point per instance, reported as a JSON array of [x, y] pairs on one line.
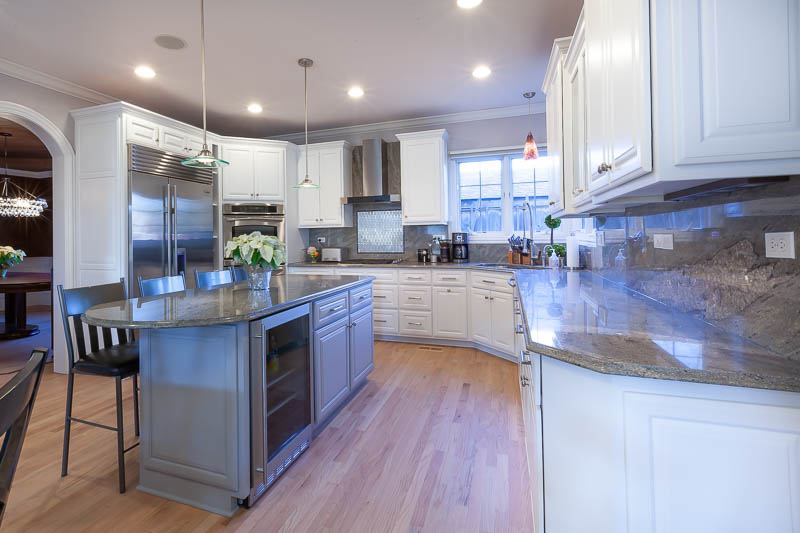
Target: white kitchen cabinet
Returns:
[[481, 316], [575, 148], [553, 87], [492, 311], [423, 169], [141, 131], [450, 313], [257, 170], [329, 166], [529, 380], [503, 336]]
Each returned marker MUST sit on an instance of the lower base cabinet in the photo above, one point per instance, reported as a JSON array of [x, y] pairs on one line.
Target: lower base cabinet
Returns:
[[362, 343], [450, 313]]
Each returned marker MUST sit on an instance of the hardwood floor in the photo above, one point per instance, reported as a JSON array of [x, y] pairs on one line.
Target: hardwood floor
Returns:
[[434, 442]]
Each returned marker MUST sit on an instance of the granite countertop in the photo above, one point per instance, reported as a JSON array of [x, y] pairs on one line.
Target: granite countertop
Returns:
[[417, 264], [589, 321], [223, 305]]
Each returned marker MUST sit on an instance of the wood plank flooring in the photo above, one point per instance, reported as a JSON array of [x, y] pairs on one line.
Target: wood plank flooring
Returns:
[[434, 442]]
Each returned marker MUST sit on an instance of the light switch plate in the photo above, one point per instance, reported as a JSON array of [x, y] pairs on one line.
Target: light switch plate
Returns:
[[600, 238], [663, 241], [780, 245]]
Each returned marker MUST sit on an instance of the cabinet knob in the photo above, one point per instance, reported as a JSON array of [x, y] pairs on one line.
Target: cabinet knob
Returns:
[[576, 192], [524, 381], [552, 203], [519, 330], [604, 167]]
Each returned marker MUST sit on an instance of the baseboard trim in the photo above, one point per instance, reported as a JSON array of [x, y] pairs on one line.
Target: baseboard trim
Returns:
[[446, 342]]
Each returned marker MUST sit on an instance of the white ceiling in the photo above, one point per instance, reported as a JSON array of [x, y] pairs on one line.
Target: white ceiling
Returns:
[[414, 58]]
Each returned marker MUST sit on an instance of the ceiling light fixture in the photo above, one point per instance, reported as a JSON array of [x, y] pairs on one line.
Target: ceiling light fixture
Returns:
[[481, 72], [468, 4], [24, 204], [204, 158], [355, 92], [529, 151], [170, 42], [143, 71], [306, 63], [255, 108]]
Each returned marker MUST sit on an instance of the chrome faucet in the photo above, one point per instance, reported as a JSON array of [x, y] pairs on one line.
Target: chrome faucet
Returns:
[[527, 207]]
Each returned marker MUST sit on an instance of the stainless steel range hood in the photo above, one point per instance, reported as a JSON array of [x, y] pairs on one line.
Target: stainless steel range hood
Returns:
[[375, 175]]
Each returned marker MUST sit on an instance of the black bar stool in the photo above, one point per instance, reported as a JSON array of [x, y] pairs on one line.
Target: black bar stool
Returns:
[[16, 404], [209, 280], [238, 273], [120, 360], [158, 286]]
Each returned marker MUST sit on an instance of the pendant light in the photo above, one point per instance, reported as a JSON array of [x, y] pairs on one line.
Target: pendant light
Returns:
[[204, 158], [24, 204], [306, 183], [530, 151]]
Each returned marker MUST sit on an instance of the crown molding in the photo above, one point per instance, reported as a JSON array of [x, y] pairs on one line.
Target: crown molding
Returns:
[[21, 72], [431, 122]]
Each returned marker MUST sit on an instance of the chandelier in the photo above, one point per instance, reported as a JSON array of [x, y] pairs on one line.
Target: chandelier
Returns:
[[23, 203]]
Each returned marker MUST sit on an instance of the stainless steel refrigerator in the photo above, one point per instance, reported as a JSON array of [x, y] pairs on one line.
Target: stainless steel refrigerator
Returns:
[[172, 217]]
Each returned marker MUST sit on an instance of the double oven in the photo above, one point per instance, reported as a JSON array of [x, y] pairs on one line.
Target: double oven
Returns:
[[243, 218]]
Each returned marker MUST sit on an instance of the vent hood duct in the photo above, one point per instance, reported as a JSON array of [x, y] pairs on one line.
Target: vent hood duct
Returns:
[[375, 175]]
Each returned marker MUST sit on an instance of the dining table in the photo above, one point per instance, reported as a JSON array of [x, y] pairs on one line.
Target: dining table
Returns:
[[16, 286]]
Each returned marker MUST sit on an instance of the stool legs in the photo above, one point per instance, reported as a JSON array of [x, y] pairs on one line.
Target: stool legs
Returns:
[[67, 424], [120, 438], [136, 404]]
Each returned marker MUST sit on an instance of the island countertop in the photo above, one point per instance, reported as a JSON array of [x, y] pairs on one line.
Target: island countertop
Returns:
[[589, 321], [226, 304]]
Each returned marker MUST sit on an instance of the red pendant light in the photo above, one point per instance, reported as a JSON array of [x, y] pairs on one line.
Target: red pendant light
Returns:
[[530, 151]]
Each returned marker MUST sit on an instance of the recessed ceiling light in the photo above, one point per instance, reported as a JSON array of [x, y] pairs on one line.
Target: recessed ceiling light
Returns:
[[355, 92], [255, 108], [481, 71], [170, 42], [468, 4], [143, 71]]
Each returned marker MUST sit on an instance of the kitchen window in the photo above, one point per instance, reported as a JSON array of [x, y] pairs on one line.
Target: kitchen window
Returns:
[[490, 190]]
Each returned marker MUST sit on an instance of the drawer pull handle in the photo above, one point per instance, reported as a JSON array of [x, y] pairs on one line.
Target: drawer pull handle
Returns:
[[380, 321], [337, 308], [524, 381], [362, 297], [449, 290], [524, 358], [511, 282], [415, 323], [414, 277], [485, 297], [379, 296], [449, 279], [488, 281], [415, 297], [519, 330]]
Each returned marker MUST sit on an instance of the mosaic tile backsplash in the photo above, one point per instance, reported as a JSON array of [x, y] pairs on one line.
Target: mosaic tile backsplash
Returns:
[[380, 232]]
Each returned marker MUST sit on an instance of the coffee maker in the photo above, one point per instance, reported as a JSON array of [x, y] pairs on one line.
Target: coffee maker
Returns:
[[460, 248]]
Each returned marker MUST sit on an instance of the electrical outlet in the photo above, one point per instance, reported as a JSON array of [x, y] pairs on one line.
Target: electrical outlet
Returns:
[[322, 240], [780, 245], [663, 241]]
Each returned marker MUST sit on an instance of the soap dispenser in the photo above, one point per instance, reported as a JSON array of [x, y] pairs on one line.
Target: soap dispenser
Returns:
[[553, 259], [619, 261]]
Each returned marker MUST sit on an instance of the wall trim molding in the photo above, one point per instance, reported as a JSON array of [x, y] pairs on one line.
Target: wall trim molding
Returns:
[[21, 72], [431, 122]]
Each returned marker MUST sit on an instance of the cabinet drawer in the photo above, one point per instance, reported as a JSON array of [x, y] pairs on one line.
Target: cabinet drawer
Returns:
[[330, 309], [418, 298], [457, 277], [417, 276], [384, 296], [494, 282], [382, 275], [384, 321], [417, 324], [359, 297]]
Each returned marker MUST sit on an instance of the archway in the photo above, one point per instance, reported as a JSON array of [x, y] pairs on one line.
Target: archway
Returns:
[[63, 186]]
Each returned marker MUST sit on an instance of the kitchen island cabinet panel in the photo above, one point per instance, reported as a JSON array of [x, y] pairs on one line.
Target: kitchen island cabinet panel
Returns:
[[332, 367]]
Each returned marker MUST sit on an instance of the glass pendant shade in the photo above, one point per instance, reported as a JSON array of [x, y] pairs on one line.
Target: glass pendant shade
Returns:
[[530, 151], [204, 159], [306, 184]]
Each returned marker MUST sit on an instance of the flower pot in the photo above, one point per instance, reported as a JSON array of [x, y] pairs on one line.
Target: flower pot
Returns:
[[258, 277]]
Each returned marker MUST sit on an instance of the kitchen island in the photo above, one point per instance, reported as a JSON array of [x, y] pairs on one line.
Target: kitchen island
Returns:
[[235, 383]]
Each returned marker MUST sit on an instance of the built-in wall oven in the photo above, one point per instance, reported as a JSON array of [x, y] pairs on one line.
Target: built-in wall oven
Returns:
[[280, 395], [243, 218]]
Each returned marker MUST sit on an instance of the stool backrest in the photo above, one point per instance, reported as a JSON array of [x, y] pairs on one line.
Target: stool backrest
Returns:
[[16, 404], [238, 273], [207, 280], [165, 285], [74, 302]]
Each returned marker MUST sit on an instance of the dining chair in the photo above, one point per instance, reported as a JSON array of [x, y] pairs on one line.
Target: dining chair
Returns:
[[119, 361], [238, 273], [209, 280], [158, 286], [16, 404]]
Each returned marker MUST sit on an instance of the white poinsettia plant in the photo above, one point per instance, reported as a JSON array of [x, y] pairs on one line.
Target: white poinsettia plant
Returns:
[[10, 256], [255, 250]]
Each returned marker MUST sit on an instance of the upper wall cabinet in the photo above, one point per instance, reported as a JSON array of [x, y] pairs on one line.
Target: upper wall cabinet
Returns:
[[423, 177], [553, 87], [257, 170], [671, 95], [329, 166], [140, 130]]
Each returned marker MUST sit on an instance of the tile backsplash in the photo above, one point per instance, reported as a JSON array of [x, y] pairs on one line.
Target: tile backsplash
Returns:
[[379, 231], [717, 269]]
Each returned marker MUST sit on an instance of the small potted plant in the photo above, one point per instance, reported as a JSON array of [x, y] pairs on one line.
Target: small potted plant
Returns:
[[8, 258], [259, 254]]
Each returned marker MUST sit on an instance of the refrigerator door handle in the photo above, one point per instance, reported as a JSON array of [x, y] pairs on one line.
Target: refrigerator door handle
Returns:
[[174, 229], [166, 240]]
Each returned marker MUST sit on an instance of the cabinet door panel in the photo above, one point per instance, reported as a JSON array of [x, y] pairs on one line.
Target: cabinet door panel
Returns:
[[421, 183], [555, 141], [596, 91], [332, 379], [141, 131], [450, 312], [481, 316], [237, 178], [362, 346], [503, 336], [172, 141], [330, 192], [308, 199], [269, 174], [578, 163]]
